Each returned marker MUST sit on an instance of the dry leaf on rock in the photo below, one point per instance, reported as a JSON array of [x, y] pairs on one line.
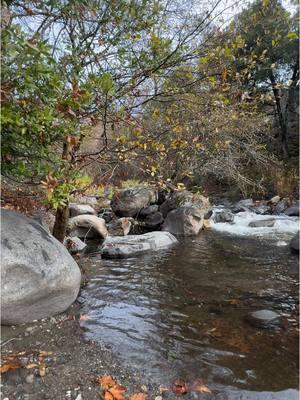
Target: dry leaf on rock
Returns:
[[116, 392], [106, 381], [138, 396], [8, 366]]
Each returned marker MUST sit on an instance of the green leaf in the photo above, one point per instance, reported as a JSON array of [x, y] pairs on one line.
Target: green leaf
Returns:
[[292, 35]]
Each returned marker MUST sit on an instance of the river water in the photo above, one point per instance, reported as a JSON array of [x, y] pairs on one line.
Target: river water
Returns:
[[182, 312]]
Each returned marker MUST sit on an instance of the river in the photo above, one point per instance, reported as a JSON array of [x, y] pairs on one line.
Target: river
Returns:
[[183, 312]]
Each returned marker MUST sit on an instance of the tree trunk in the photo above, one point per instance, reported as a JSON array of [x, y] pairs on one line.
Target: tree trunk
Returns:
[[281, 117], [60, 225]]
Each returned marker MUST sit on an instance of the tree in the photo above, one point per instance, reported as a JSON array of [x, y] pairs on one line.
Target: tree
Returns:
[[83, 63], [270, 55]]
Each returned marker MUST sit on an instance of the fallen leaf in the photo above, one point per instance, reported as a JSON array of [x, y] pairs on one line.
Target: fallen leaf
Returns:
[[117, 392], [108, 396], [29, 366], [42, 370], [7, 367], [106, 381], [45, 353], [179, 387], [138, 396]]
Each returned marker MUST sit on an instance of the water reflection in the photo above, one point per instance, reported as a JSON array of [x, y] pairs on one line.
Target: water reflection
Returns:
[[182, 312]]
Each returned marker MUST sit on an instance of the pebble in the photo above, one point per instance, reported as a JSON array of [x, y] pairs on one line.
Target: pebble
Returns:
[[29, 378], [158, 398]]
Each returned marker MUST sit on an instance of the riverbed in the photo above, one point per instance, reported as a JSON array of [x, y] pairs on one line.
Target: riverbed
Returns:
[[183, 312]]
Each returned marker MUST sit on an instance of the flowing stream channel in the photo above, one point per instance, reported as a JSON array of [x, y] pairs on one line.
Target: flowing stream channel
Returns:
[[182, 312]]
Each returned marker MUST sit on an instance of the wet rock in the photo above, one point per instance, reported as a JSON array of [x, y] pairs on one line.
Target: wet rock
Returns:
[[242, 205], [88, 221], [123, 247], [294, 244], [280, 207], [129, 202], [263, 223], [39, 278], [107, 214], [223, 216], [145, 212], [293, 210], [264, 319], [81, 209], [208, 214], [74, 244], [154, 221], [184, 221], [120, 227], [262, 210]]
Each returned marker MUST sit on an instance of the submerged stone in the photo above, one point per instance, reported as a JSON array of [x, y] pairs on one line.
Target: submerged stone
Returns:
[[264, 223], [264, 319], [123, 247]]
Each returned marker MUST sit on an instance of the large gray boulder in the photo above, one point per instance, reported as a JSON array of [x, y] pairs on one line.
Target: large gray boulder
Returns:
[[123, 247], [91, 223], [129, 202], [80, 209], [293, 210], [242, 205], [39, 278], [294, 244], [223, 216], [184, 221], [184, 199], [120, 227]]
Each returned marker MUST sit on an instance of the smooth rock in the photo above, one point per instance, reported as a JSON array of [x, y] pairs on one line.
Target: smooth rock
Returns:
[[74, 244], [81, 209], [120, 227], [294, 243], [123, 247], [46, 219], [263, 223], [293, 210], [275, 199], [39, 278], [184, 199], [154, 221], [88, 221], [184, 221], [223, 216], [264, 319], [129, 202], [145, 212], [85, 233]]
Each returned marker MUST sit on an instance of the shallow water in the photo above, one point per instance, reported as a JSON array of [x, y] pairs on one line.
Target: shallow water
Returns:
[[181, 312]]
